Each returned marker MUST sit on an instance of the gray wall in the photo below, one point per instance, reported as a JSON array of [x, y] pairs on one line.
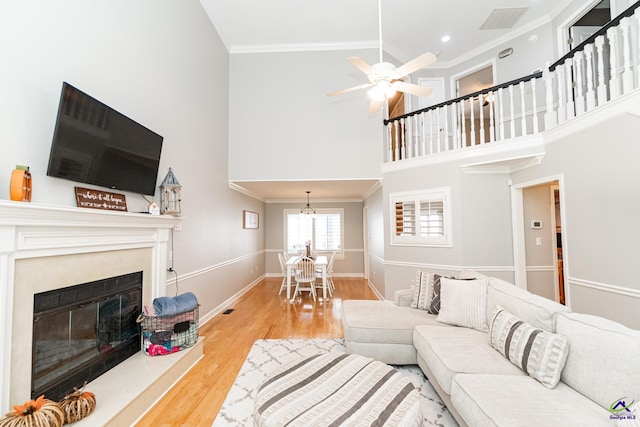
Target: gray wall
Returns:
[[375, 235], [352, 265], [601, 197], [481, 225], [161, 63], [284, 126]]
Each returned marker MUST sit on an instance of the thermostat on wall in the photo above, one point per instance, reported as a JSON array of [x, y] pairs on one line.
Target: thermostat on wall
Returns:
[[536, 224]]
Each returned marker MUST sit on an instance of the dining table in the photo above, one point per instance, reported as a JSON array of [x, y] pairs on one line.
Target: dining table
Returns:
[[320, 264]]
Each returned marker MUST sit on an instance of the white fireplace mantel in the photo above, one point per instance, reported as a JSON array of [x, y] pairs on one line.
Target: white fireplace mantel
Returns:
[[31, 231]]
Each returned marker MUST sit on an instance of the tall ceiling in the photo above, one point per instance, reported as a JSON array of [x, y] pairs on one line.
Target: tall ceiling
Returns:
[[409, 28]]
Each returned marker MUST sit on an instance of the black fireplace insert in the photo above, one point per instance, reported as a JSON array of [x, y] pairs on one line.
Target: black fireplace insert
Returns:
[[82, 331]]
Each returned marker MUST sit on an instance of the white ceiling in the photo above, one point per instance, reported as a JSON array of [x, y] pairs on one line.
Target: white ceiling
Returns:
[[409, 28]]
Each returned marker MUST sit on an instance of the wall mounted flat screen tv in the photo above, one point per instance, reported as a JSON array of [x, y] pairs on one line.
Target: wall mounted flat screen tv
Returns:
[[95, 144]]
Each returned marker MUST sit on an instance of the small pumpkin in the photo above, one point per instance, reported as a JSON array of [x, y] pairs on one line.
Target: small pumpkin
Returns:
[[78, 404], [34, 413]]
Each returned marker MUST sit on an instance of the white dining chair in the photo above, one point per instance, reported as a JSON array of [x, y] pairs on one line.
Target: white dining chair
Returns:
[[305, 277], [329, 276]]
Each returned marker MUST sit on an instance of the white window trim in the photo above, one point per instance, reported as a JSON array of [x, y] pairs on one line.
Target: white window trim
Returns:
[[443, 194], [340, 211]]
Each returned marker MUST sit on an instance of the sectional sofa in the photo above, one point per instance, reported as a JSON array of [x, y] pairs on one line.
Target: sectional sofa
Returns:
[[501, 356]]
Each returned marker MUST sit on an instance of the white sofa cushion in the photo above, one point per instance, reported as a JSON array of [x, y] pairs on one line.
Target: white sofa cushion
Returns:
[[534, 309], [518, 401], [372, 321], [464, 303], [452, 350], [603, 358], [540, 354]]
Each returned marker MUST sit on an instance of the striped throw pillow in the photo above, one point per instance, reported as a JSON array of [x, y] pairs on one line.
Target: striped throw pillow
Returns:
[[539, 353], [422, 291]]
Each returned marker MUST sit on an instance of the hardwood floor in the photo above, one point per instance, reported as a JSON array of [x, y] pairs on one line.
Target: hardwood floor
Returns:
[[258, 314]]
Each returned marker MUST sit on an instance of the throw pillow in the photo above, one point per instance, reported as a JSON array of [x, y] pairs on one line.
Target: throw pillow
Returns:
[[539, 353], [422, 292], [464, 303], [434, 306]]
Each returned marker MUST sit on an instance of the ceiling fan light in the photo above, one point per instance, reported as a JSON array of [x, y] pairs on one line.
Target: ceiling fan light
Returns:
[[381, 91]]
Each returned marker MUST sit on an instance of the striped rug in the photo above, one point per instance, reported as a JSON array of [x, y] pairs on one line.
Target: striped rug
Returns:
[[266, 356]]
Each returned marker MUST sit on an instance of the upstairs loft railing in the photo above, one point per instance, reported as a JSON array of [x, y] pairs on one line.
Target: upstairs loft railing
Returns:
[[603, 67]]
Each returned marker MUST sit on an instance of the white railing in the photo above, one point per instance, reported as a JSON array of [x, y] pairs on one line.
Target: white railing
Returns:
[[602, 68]]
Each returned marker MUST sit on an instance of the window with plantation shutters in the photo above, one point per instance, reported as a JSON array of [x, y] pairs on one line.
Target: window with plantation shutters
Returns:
[[325, 231], [421, 218]]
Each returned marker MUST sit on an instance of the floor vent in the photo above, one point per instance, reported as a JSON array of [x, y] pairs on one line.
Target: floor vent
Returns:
[[228, 311]]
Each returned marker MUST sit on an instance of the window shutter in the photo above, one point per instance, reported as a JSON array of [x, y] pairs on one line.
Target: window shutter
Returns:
[[432, 218], [327, 232], [421, 218]]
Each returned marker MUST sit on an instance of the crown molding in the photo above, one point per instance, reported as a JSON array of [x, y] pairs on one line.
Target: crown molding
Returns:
[[303, 47]]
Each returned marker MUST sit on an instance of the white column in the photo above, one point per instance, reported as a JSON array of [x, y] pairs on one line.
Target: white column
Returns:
[[481, 118], [463, 128], [492, 126], [444, 111]]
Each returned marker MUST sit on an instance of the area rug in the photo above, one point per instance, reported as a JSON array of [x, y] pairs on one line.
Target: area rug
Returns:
[[267, 355]]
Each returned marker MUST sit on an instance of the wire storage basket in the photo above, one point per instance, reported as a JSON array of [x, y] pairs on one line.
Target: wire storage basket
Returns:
[[168, 334]]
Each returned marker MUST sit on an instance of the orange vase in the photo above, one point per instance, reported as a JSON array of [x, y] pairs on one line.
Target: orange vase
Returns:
[[20, 187]]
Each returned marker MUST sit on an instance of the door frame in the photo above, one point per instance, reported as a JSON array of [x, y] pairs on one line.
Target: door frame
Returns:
[[518, 225], [565, 26], [454, 78]]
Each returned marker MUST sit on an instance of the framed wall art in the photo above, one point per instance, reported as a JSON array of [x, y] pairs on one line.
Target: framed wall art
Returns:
[[249, 219]]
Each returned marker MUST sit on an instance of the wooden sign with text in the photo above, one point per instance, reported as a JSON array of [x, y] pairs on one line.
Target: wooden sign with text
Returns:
[[96, 199]]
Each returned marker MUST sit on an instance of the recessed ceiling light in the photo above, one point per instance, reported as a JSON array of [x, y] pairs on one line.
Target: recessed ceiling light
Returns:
[[445, 39]]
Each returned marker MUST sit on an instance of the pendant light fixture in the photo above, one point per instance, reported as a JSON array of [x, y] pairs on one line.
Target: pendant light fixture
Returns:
[[308, 210]]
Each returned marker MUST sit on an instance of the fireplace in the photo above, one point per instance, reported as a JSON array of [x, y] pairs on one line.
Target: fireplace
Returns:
[[82, 331]]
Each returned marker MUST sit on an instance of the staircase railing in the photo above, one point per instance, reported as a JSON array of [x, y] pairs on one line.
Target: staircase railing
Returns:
[[602, 68]]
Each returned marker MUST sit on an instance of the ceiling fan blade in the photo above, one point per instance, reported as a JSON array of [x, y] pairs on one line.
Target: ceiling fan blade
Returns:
[[405, 87], [360, 64], [415, 64], [351, 89], [374, 105]]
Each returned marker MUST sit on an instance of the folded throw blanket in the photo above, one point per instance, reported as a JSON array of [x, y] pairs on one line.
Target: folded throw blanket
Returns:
[[169, 306]]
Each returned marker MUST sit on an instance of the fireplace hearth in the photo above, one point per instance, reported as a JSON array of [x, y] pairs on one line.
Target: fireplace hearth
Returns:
[[82, 331]]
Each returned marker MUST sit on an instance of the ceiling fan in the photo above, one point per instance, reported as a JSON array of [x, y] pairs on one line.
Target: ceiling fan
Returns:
[[385, 79]]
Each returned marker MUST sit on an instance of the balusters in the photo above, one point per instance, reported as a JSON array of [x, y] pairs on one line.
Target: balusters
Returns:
[[423, 140], [397, 144], [431, 141], [591, 94], [636, 17], [492, 125], [472, 122], [534, 106], [390, 127], [578, 63], [512, 124], [501, 115], [568, 74], [445, 112], [601, 90], [523, 110], [439, 139], [456, 129], [550, 116], [403, 143], [481, 103], [463, 127], [614, 79], [627, 71]]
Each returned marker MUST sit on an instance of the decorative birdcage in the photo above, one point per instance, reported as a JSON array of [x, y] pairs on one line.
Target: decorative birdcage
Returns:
[[170, 191]]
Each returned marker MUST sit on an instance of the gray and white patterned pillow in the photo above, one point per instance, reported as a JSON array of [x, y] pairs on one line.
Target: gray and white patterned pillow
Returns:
[[422, 291], [539, 353]]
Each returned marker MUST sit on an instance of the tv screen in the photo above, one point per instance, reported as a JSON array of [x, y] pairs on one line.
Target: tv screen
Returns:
[[95, 144]]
